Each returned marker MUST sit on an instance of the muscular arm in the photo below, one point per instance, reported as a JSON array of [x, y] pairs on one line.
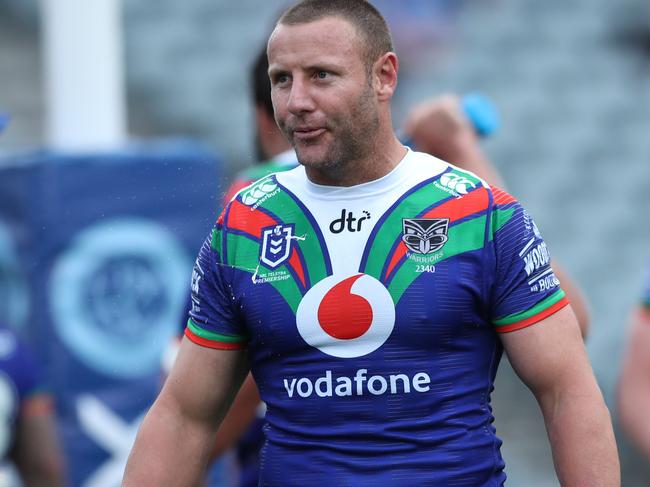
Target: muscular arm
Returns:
[[439, 127], [634, 383], [36, 451], [550, 358], [176, 438]]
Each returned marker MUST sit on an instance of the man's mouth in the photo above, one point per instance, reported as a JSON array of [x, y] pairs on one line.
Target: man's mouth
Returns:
[[306, 134]]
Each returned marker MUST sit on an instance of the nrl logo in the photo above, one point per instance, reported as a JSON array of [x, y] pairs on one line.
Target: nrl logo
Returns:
[[276, 244], [425, 235], [259, 191]]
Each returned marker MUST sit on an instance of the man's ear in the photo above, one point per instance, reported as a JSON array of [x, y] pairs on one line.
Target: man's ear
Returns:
[[385, 75]]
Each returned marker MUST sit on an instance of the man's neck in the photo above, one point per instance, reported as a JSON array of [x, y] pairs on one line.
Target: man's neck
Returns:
[[376, 164]]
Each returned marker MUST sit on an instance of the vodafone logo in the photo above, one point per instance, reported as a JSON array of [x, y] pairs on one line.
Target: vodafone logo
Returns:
[[346, 316]]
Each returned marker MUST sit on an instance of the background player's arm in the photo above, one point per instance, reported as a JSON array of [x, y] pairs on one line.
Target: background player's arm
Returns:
[[176, 438], [551, 359], [440, 127], [634, 383], [36, 451]]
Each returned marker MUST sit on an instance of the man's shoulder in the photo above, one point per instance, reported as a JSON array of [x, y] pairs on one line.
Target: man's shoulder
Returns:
[[448, 177]]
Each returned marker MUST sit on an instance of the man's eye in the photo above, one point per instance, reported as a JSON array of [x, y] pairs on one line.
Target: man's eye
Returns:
[[322, 74], [280, 79]]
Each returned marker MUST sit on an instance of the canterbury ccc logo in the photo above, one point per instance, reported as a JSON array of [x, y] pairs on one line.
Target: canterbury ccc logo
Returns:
[[456, 183], [258, 191], [346, 316]]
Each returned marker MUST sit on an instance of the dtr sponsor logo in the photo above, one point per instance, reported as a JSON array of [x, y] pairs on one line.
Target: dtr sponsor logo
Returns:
[[347, 221]]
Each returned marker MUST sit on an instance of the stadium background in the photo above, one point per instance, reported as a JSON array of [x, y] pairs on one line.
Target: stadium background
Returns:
[[571, 80]]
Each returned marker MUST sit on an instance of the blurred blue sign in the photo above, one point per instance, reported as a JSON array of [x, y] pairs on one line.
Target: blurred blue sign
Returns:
[[95, 261]]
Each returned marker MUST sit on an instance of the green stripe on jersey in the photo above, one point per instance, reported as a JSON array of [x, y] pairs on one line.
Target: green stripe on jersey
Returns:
[[215, 337], [538, 308], [500, 218], [215, 240]]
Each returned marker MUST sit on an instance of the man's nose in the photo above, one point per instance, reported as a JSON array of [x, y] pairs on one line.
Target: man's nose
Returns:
[[300, 99]]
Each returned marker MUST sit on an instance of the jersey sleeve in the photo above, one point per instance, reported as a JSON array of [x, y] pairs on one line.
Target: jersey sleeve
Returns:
[[213, 321], [524, 288]]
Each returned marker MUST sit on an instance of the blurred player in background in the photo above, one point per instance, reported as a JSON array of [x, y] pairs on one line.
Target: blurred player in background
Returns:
[[634, 382], [28, 439]]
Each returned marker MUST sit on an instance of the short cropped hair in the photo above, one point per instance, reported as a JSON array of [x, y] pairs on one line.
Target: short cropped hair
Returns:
[[367, 20]]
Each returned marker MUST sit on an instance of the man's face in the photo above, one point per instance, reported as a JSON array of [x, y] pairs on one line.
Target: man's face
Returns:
[[321, 94]]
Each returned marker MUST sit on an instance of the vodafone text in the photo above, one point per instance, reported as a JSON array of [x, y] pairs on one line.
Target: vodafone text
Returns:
[[358, 385]]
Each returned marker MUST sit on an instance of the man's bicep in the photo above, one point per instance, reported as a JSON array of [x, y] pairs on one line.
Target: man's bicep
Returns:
[[203, 380], [547, 352]]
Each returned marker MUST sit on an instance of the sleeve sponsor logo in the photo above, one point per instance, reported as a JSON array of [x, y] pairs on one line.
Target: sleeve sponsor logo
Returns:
[[544, 281], [534, 256], [197, 276], [537, 259]]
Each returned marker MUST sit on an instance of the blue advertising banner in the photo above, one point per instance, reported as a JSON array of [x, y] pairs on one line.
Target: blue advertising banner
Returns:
[[96, 255]]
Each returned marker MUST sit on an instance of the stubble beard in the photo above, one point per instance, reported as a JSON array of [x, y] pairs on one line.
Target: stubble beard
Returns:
[[353, 139]]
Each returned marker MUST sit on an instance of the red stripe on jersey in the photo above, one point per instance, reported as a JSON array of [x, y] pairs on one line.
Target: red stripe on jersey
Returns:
[[534, 319], [240, 217], [212, 344], [296, 265], [501, 197], [455, 209]]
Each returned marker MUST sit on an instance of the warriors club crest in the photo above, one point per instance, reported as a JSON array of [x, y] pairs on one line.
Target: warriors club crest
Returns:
[[425, 235], [276, 244]]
